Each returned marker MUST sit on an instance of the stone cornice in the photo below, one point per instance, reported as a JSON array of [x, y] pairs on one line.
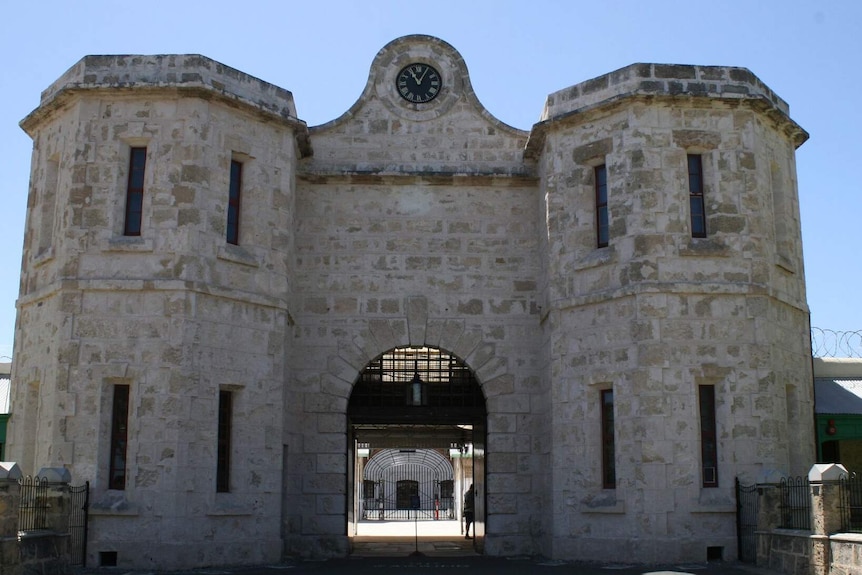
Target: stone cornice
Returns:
[[153, 284], [429, 178], [672, 83], [184, 75]]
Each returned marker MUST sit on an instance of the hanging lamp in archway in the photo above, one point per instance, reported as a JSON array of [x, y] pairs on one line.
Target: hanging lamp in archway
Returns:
[[416, 385]]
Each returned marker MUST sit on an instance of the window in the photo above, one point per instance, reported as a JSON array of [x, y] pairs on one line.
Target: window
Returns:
[[708, 442], [695, 196], [601, 178], [119, 437], [225, 412], [233, 202], [135, 192], [609, 470]]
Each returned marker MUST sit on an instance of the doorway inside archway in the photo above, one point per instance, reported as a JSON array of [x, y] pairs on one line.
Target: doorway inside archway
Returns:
[[417, 438]]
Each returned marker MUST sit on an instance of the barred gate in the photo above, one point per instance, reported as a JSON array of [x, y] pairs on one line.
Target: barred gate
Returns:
[[408, 484], [746, 521], [78, 517]]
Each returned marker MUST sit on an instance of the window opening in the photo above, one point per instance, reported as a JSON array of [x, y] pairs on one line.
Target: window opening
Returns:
[[708, 443], [234, 202], [225, 409], [119, 437], [602, 232], [695, 196], [609, 470], [135, 191], [48, 205]]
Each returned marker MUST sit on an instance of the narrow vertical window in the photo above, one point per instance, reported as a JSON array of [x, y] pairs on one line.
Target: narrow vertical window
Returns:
[[695, 196], [48, 205], [601, 178], [135, 191], [609, 469], [233, 202], [119, 437], [708, 439], [225, 412]]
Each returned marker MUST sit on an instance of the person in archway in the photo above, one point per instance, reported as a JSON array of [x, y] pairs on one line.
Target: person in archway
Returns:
[[469, 510]]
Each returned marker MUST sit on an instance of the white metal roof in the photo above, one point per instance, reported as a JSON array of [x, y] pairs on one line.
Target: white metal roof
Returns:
[[5, 389], [838, 395]]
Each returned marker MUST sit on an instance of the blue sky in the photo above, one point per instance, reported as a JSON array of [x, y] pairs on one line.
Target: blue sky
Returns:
[[517, 52]]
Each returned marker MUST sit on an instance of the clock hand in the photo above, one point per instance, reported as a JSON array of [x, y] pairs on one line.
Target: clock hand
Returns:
[[412, 73], [419, 80]]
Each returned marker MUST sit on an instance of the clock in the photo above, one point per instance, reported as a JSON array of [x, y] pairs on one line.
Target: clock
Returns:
[[418, 83]]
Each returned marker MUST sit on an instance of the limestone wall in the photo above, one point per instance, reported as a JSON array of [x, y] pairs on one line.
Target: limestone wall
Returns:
[[176, 313], [658, 313], [381, 266]]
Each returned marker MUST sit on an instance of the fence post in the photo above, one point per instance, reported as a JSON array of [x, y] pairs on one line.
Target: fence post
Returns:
[[768, 518], [10, 499], [825, 512]]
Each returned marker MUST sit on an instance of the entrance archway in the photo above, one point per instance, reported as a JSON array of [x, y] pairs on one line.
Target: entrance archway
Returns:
[[417, 422]]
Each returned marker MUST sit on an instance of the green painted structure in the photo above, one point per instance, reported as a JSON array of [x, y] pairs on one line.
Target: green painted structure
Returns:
[[4, 417], [838, 411]]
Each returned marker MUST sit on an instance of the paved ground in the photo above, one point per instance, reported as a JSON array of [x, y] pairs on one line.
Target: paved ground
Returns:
[[475, 565], [389, 548]]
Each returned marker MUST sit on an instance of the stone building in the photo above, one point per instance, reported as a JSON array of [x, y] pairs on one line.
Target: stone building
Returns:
[[226, 315]]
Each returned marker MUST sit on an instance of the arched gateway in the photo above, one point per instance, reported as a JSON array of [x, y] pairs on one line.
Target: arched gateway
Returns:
[[417, 433]]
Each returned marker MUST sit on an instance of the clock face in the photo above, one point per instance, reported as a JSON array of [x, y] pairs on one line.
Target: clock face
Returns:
[[418, 83]]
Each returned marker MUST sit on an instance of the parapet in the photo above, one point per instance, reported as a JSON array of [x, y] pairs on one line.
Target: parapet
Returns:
[[671, 81], [178, 71]]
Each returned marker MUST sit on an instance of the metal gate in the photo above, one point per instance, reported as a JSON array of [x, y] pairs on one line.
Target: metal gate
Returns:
[[408, 484], [746, 521], [80, 503]]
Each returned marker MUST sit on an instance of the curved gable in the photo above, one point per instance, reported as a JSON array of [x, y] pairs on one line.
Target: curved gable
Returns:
[[383, 132]]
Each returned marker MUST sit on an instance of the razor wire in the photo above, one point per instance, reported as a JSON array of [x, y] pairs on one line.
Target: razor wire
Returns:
[[830, 343]]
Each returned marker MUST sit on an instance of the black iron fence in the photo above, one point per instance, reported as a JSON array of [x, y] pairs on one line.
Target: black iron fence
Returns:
[[428, 509], [795, 503], [33, 509], [746, 521], [851, 504], [80, 504]]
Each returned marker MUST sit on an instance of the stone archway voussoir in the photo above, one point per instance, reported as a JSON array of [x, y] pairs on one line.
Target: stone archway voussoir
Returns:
[[388, 333], [417, 319]]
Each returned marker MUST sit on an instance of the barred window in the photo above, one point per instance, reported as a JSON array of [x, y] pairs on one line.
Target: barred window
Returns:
[[135, 191], [601, 180], [695, 196]]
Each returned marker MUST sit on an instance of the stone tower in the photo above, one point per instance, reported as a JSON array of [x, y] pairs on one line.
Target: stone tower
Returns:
[[205, 280]]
